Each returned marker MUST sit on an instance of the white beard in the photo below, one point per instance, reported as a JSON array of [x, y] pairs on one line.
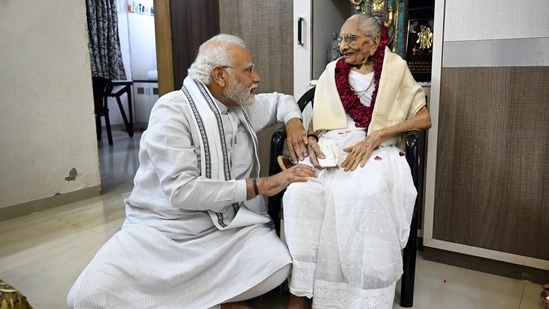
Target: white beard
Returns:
[[238, 93]]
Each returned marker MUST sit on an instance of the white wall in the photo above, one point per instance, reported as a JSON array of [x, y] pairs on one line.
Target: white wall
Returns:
[[47, 122], [137, 43], [142, 45], [468, 20], [496, 33], [143, 63]]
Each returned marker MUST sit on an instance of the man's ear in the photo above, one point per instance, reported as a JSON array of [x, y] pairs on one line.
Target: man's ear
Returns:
[[219, 77]]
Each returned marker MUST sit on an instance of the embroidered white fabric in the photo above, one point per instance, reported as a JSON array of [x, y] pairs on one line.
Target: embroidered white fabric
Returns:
[[330, 149], [345, 230]]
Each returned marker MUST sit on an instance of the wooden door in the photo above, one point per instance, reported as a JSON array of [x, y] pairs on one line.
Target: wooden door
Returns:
[[181, 26]]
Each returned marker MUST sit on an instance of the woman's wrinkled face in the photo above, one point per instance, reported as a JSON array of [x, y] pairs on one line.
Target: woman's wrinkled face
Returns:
[[355, 46]]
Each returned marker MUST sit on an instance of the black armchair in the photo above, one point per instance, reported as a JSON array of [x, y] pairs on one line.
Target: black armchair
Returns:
[[412, 156]]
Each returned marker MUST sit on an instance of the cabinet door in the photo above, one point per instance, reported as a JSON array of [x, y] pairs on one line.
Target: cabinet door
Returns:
[[314, 23], [303, 24]]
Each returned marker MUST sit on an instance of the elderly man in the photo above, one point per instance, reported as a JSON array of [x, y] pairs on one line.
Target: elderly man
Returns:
[[197, 233]]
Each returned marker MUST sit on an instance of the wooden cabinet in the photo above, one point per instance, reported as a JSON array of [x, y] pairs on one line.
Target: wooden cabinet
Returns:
[[486, 182]]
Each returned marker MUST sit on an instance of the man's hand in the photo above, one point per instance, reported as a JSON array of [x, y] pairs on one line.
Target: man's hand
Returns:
[[296, 140], [315, 152], [273, 185]]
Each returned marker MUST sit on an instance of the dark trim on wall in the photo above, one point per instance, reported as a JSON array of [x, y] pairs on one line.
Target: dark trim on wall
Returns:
[[494, 267], [28, 208]]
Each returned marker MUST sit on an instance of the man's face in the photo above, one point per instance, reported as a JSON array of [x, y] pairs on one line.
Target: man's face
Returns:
[[239, 92], [242, 78]]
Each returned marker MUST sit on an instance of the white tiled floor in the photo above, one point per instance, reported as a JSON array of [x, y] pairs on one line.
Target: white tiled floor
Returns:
[[43, 253]]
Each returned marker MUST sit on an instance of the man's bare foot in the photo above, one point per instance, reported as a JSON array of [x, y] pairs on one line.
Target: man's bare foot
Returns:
[[299, 302], [545, 296], [237, 305]]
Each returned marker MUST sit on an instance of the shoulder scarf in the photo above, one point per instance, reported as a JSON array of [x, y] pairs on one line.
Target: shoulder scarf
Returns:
[[399, 97], [214, 155]]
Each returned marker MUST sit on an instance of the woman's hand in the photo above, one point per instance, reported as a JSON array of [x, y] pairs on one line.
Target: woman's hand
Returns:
[[359, 153]]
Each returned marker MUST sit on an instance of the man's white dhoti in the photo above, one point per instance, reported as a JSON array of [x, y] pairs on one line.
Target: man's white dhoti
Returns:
[[140, 265]]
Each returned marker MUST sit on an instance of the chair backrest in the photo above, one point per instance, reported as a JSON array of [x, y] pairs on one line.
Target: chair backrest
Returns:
[[305, 103], [102, 87]]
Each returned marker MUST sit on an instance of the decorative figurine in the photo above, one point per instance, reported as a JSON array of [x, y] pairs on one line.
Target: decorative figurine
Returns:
[[333, 50]]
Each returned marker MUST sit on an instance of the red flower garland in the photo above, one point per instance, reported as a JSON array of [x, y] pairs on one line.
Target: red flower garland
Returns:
[[360, 113]]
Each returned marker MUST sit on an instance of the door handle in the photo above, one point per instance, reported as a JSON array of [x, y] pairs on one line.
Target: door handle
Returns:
[[300, 31]]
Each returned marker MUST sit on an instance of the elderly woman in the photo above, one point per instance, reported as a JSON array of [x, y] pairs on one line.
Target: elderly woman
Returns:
[[345, 229]]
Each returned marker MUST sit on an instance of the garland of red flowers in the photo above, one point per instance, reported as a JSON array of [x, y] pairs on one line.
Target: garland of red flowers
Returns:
[[361, 114]]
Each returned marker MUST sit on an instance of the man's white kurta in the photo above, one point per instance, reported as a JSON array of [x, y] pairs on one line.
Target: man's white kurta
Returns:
[[169, 253]]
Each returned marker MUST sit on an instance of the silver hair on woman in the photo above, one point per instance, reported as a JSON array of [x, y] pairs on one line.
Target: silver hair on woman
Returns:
[[213, 53], [367, 24]]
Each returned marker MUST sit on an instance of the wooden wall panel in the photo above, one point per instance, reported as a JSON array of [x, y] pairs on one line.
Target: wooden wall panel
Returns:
[[266, 28], [492, 170], [193, 22], [164, 55], [180, 27]]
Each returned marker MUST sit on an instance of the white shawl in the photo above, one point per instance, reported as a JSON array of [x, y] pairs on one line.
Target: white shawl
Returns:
[[399, 98]]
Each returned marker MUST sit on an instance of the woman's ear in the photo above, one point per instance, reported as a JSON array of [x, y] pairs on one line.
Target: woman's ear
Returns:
[[376, 39]]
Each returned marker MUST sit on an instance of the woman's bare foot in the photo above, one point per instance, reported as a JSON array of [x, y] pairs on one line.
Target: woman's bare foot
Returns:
[[236, 305], [299, 302]]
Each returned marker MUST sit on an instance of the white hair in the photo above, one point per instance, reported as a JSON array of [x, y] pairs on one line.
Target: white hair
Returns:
[[367, 24], [212, 53]]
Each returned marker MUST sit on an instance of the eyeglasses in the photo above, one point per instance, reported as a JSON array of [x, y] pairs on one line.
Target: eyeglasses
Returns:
[[249, 70], [349, 38]]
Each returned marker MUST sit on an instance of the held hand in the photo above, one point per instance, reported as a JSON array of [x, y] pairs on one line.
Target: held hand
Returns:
[[359, 153], [314, 152], [275, 184], [296, 139]]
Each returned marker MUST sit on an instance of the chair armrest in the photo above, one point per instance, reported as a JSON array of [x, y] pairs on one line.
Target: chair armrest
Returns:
[[278, 140], [277, 148]]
